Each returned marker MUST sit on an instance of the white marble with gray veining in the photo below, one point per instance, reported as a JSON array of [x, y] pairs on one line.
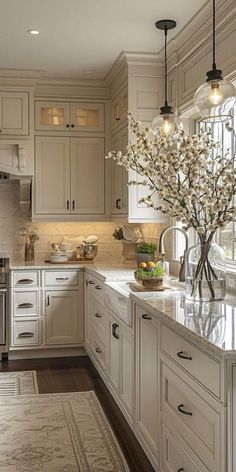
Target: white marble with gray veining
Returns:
[[210, 325], [213, 328]]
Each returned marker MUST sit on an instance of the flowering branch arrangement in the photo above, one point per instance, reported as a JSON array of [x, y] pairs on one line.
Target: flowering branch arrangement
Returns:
[[191, 185]]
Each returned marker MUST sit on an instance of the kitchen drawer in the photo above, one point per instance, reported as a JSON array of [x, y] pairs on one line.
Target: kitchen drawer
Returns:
[[26, 303], [25, 333], [196, 418], [200, 365], [25, 278], [96, 287], [98, 317], [55, 278], [98, 349], [175, 458]]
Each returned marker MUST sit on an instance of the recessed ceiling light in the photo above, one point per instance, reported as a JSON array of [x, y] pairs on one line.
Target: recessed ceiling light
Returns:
[[34, 32]]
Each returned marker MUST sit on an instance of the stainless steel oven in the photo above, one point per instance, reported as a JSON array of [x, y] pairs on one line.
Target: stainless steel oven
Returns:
[[4, 282]]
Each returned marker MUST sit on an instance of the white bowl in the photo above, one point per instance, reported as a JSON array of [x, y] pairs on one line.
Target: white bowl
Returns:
[[58, 258]]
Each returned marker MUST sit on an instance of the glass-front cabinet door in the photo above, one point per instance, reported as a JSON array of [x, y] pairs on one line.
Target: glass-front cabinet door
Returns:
[[87, 117], [52, 115], [69, 116]]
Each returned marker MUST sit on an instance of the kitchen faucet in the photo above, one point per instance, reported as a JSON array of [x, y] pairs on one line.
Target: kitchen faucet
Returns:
[[182, 258]]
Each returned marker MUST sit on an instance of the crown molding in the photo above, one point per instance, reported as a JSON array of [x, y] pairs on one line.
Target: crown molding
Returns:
[[127, 58], [198, 31]]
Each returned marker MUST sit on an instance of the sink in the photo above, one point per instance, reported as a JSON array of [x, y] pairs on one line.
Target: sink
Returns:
[[126, 288], [116, 295]]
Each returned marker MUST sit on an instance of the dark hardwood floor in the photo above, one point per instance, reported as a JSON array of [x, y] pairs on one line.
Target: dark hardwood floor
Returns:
[[77, 374]]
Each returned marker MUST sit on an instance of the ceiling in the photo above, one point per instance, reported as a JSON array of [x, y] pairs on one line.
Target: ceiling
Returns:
[[82, 38]]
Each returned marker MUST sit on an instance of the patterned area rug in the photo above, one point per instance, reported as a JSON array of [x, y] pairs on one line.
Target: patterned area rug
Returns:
[[18, 383], [60, 432]]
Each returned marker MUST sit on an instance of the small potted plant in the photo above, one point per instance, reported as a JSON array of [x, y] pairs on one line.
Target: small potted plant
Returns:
[[146, 252]]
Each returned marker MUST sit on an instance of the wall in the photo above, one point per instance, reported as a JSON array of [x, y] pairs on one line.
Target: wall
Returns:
[[13, 217]]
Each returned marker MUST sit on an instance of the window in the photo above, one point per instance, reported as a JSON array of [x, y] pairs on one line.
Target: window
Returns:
[[226, 237]]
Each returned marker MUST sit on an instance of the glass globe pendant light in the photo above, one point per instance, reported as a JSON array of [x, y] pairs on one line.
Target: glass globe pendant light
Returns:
[[215, 99], [166, 122]]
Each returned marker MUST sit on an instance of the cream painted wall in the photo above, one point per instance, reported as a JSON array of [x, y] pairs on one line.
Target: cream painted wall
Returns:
[[12, 217]]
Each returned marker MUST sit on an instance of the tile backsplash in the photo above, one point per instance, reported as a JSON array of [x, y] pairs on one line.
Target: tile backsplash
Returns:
[[13, 217]]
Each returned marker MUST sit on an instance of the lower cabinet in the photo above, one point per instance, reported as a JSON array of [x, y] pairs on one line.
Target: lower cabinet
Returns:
[[175, 458], [61, 317], [146, 385], [120, 372], [26, 333], [46, 309]]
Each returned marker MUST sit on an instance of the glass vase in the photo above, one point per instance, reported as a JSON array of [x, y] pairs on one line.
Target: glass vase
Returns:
[[205, 272]]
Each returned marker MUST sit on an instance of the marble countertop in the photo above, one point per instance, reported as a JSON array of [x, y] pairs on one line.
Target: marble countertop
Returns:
[[209, 324], [121, 272]]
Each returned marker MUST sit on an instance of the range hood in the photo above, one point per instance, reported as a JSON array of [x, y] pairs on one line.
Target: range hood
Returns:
[[16, 163]]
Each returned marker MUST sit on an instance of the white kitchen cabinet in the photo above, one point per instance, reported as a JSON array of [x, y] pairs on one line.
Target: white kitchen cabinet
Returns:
[[119, 177], [119, 109], [126, 390], [114, 355], [69, 176], [14, 113], [61, 317], [46, 309], [26, 333], [87, 176], [52, 176], [71, 117], [146, 386]]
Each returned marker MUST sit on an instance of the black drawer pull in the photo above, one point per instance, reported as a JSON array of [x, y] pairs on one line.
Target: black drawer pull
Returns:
[[115, 327], [26, 334], [25, 281], [181, 470], [97, 315], [180, 409], [183, 356], [98, 287], [146, 317], [91, 282], [62, 278], [98, 350], [25, 305]]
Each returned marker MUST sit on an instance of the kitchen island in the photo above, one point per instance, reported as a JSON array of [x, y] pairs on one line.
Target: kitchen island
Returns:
[[169, 363]]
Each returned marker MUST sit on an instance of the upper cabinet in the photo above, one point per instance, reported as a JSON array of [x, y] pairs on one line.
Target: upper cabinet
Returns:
[[60, 116], [14, 113], [119, 109], [69, 178], [119, 177]]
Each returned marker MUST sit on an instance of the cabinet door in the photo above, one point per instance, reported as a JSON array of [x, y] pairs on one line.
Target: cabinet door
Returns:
[[127, 369], [87, 117], [52, 175], [119, 109], [119, 177], [114, 355], [52, 115], [146, 369], [14, 110], [61, 320], [87, 176]]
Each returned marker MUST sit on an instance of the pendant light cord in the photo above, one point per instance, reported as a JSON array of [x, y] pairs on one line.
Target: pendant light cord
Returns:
[[214, 35], [166, 102]]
